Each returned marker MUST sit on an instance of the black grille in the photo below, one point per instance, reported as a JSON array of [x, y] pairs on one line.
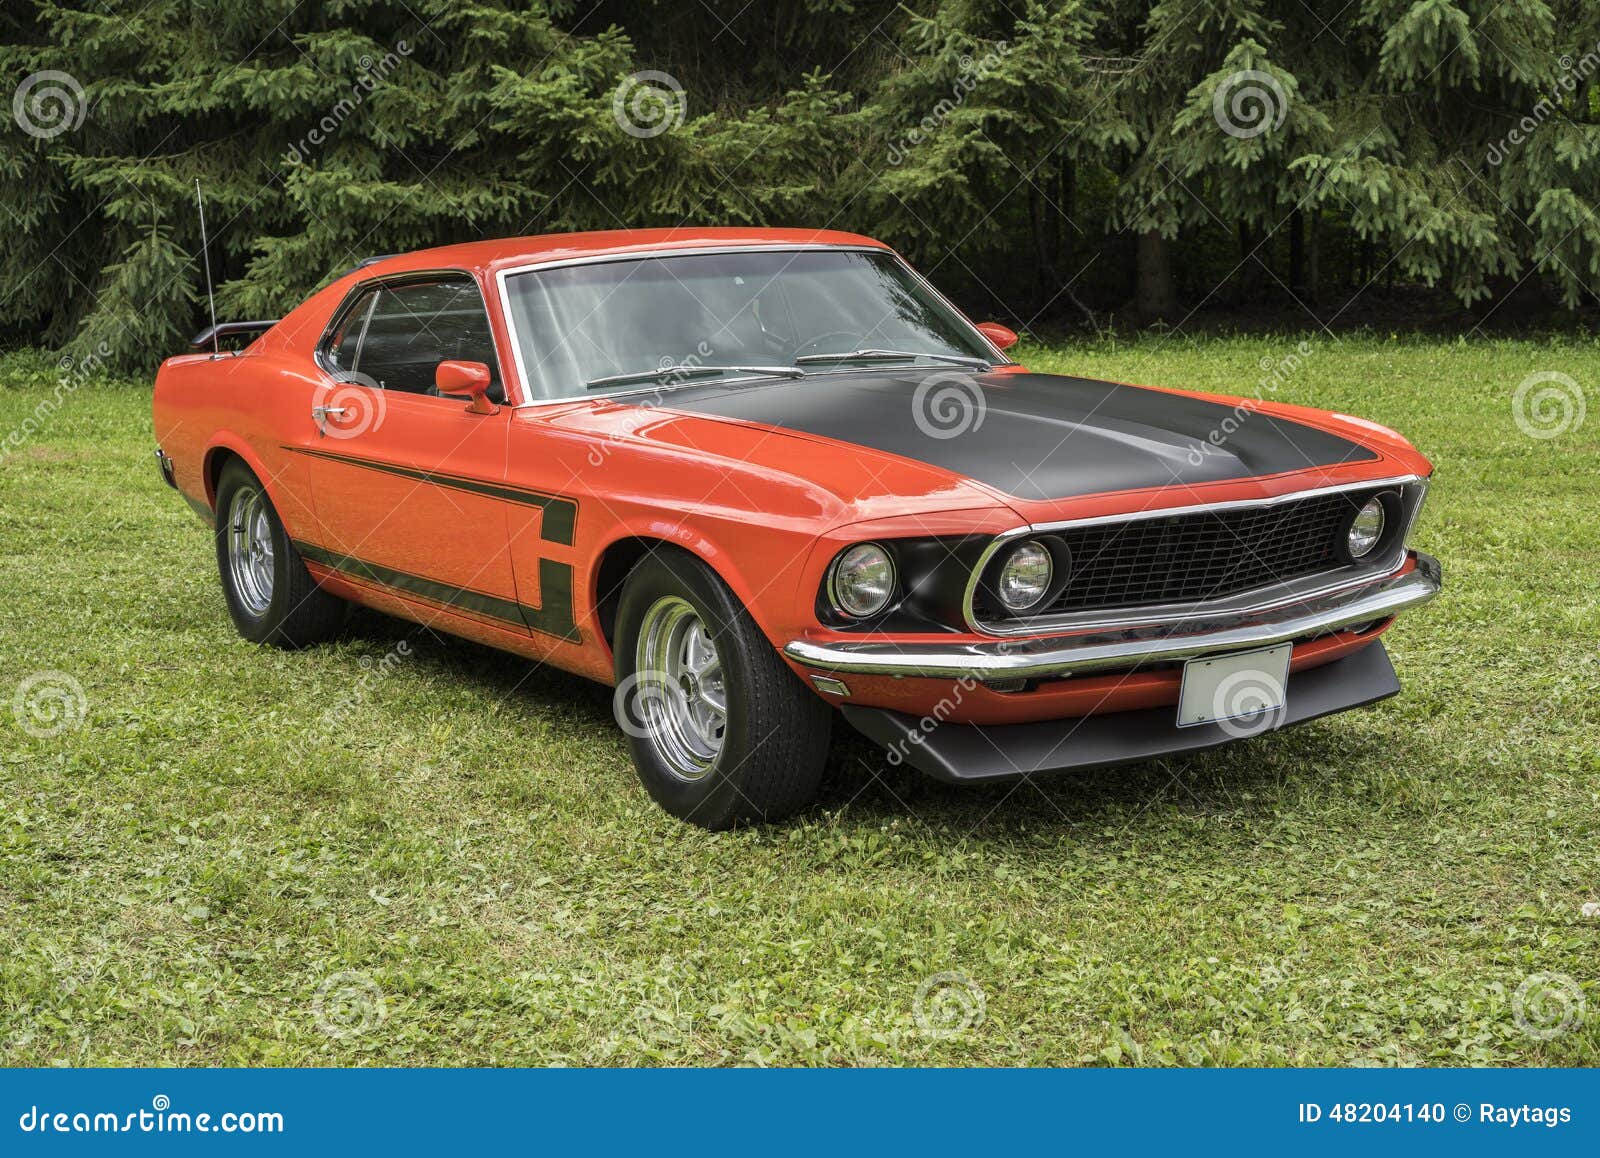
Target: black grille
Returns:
[[1205, 555]]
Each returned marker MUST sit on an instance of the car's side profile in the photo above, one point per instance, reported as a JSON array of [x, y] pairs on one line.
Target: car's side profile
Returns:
[[756, 478]]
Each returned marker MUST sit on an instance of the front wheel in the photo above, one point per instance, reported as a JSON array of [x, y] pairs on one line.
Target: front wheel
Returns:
[[270, 594], [721, 731]]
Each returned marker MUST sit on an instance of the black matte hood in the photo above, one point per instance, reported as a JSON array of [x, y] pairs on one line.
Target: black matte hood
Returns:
[[1036, 437]]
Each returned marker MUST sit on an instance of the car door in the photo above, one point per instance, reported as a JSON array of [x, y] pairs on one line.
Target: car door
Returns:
[[406, 483]]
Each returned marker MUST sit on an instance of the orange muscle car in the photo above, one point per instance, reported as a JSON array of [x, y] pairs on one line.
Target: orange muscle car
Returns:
[[757, 478]]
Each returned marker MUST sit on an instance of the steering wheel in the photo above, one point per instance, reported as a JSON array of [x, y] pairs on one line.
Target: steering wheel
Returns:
[[852, 340]]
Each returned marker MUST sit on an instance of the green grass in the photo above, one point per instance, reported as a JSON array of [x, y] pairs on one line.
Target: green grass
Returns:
[[181, 873]]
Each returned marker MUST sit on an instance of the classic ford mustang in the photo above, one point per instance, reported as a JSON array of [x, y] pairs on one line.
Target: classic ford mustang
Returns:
[[751, 478]]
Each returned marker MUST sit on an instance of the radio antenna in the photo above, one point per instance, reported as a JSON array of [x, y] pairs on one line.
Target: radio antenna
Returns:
[[205, 258]]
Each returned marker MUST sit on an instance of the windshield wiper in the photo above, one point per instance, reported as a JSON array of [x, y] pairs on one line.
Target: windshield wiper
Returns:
[[890, 356], [688, 370]]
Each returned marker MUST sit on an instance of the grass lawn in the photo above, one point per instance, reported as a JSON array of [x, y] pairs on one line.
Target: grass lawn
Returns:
[[213, 869]]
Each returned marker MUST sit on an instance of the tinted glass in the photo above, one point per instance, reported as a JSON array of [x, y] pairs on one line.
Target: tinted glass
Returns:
[[415, 327], [578, 323], [409, 329]]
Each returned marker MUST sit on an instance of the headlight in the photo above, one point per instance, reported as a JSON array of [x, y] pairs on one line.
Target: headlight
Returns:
[[1366, 529], [861, 581], [1024, 577]]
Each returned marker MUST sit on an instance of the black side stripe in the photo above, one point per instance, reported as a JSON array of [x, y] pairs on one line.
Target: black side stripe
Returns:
[[555, 587], [560, 514]]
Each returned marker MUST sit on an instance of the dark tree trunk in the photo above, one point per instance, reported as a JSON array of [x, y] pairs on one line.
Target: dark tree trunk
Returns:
[[1248, 276], [1314, 257], [1155, 299], [1297, 252], [1052, 241], [1046, 279]]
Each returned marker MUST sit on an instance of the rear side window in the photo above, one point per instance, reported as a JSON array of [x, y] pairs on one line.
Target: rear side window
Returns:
[[395, 336]]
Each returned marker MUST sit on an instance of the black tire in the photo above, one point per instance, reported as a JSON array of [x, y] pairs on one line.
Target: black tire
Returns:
[[774, 740], [292, 611]]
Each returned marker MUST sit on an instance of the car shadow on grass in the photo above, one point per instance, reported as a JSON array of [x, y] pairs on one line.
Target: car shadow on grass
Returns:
[[862, 788], [1257, 777]]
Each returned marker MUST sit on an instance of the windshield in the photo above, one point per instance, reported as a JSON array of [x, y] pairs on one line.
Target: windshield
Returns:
[[602, 327]]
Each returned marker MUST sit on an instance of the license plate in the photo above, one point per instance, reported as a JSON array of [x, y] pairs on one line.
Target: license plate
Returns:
[[1247, 686]]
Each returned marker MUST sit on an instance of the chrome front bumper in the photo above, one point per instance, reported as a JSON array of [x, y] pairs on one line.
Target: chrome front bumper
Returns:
[[1107, 648]]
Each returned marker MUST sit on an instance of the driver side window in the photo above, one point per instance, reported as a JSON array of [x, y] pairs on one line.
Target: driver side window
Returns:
[[394, 336]]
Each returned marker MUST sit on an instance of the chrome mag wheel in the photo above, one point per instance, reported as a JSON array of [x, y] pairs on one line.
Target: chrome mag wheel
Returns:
[[250, 556], [682, 697]]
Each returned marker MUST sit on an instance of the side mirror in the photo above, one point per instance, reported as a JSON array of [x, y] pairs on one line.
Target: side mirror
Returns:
[[1003, 337], [466, 379]]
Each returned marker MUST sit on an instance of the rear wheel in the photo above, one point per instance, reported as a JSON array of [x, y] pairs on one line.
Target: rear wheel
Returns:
[[721, 731], [270, 594]]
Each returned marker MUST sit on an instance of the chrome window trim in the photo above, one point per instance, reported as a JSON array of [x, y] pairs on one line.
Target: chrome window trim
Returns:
[[1239, 603], [524, 392], [376, 284]]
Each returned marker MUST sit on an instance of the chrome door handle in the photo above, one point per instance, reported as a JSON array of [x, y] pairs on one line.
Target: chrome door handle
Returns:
[[320, 413]]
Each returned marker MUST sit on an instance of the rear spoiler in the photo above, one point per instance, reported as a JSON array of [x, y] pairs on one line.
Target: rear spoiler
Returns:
[[228, 329]]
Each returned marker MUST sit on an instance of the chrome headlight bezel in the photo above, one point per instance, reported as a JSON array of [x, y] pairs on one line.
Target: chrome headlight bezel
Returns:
[[1037, 553], [1365, 531], [842, 587], [1391, 514]]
